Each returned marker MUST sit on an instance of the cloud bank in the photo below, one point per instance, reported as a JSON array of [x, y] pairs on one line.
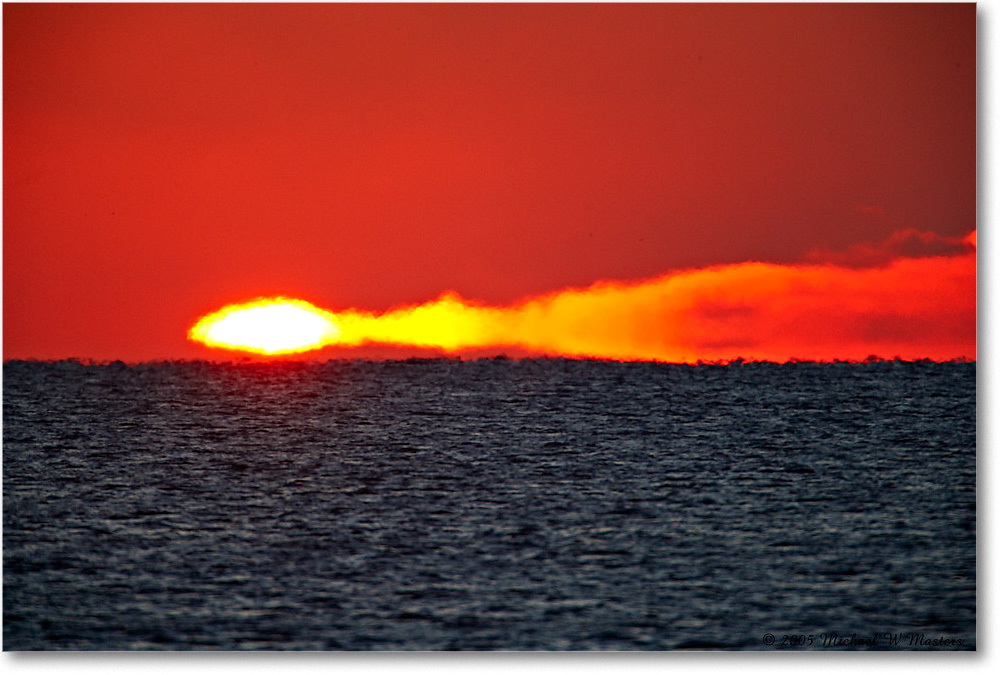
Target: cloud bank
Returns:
[[912, 297]]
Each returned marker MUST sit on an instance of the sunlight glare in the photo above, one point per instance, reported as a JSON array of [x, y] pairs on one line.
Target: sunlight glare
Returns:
[[267, 326]]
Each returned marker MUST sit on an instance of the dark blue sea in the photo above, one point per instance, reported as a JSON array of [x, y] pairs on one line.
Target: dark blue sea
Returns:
[[499, 504]]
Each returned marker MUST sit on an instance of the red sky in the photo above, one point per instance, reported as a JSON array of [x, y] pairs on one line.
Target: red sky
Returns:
[[161, 161]]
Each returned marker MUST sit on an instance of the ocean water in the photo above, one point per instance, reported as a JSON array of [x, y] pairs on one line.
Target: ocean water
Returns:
[[495, 505]]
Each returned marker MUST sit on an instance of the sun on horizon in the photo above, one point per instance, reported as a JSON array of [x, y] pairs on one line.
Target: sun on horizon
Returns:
[[268, 326]]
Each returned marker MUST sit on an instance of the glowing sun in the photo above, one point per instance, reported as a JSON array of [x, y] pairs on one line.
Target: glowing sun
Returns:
[[267, 326]]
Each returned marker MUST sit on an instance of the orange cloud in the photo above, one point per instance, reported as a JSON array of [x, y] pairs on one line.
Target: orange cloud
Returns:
[[919, 307]]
